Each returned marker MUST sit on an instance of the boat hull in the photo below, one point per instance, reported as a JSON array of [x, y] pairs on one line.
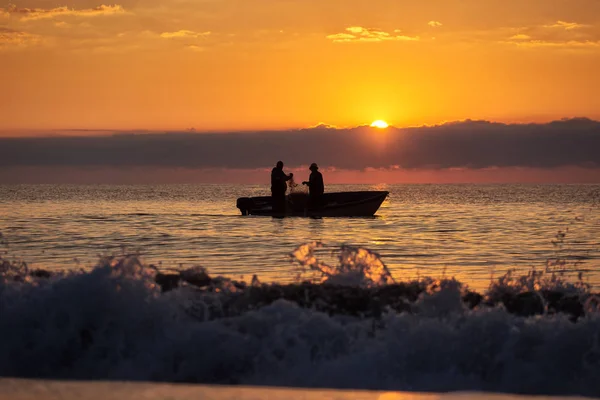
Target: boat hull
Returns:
[[339, 204]]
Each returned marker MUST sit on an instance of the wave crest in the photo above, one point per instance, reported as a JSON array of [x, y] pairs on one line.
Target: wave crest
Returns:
[[121, 320]]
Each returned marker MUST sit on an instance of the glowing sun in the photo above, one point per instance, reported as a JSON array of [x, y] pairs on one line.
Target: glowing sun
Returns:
[[379, 124]]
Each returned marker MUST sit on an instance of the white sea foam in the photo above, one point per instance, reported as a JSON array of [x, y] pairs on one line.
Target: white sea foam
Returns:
[[114, 323]]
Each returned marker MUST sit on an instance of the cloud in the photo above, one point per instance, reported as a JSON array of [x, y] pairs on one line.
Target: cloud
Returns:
[[520, 36], [567, 44], [360, 34], [467, 144], [197, 49], [566, 25], [16, 39], [183, 34], [190, 37], [41, 13], [434, 24], [323, 125], [561, 35], [341, 37], [527, 41]]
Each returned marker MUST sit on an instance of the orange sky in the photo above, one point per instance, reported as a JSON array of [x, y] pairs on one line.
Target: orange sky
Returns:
[[265, 64]]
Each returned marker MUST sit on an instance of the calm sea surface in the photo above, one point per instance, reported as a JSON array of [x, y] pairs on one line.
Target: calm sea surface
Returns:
[[468, 231]]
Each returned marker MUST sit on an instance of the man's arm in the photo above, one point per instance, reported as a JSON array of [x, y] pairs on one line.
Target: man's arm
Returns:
[[281, 176], [309, 182]]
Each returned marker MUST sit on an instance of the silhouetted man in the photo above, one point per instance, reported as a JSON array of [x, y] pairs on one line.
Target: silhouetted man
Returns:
[[316, 187], [279, 187]]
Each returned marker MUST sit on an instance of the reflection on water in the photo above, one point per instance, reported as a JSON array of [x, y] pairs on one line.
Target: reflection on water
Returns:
[[469, 231]]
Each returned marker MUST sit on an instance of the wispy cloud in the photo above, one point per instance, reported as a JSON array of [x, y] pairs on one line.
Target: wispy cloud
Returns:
[[520, 36], [16, 39], [197, 49], [568, 44], [566, 25], [341, 37], [434, 24], [561, 35], [360, 34], [183, 34], [41, 13]]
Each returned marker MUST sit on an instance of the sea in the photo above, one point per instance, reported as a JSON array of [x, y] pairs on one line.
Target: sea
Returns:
[[97, 318], [471, 232]]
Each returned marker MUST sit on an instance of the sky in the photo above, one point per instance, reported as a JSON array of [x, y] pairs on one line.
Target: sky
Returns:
[[83, 68]]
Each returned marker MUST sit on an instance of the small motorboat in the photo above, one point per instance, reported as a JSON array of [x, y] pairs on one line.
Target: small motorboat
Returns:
[[340, 204]]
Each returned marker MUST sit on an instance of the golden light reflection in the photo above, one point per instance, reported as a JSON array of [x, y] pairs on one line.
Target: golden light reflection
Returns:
[[407, 396]]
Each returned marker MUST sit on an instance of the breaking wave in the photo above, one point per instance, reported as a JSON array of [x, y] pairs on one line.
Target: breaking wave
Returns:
[[349, 325]]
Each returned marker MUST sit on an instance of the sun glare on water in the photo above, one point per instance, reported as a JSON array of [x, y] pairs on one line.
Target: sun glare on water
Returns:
[[379, 124]]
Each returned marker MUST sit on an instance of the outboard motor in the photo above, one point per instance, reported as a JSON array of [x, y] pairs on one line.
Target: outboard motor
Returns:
[[245, 204]]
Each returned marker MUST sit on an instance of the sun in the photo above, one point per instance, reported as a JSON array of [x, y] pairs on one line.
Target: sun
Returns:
[[379, 124]]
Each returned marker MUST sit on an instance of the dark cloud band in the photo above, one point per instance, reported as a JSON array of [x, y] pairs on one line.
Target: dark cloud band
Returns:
[[470, 144]]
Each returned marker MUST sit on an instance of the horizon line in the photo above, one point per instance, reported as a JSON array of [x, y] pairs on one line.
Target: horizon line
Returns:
[[319, 125]]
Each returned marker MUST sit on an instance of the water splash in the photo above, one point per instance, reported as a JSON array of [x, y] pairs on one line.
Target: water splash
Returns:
[[114, 323], [357, 266]]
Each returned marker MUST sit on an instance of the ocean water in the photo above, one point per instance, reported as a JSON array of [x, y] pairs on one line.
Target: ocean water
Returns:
[[109, 320], [472, 232], [19, 389]]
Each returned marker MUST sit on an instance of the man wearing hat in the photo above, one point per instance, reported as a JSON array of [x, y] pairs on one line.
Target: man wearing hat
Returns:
[[316, 188]]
